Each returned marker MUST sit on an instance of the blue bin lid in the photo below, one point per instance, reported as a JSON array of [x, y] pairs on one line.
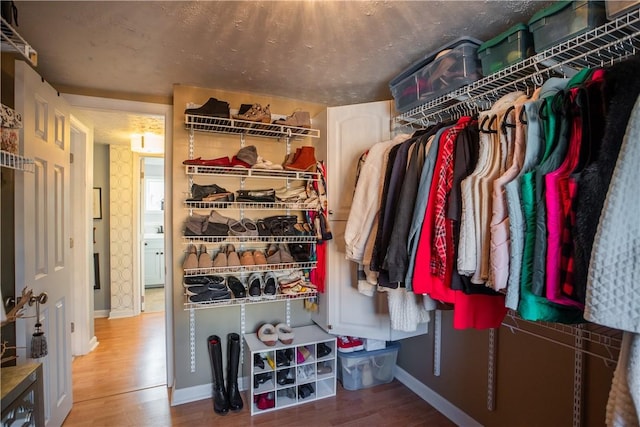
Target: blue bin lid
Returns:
[[391, 346], [430, 57]]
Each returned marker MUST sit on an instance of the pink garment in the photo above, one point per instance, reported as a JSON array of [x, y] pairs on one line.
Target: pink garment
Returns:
[[499, 227]]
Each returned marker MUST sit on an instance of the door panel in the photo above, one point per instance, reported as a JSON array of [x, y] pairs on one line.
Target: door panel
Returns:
[[43, 231]]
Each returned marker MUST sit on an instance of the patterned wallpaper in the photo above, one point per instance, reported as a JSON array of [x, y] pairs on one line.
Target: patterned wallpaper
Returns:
[[121, 230]]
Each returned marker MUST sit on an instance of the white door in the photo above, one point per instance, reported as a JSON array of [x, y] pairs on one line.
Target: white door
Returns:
[[43, 231]]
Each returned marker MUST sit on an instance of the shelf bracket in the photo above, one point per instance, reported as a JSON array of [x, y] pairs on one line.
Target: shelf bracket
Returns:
[[287, 309], [578, 359], [437, 342], [243, 330], [192, 339], [491, 374]]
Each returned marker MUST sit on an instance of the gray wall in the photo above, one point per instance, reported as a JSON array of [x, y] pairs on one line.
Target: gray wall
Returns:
[[102, 296], [534, 377]]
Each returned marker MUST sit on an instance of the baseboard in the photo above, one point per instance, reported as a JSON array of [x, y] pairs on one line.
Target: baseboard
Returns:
[[100, 313], [181, 396], [120, 314], [93, 343], [443, 406]]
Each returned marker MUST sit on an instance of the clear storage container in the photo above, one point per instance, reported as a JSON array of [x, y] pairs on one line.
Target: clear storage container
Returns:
[[564, 20], [447, 69], [506, 49], [364, 369], [616, 8]]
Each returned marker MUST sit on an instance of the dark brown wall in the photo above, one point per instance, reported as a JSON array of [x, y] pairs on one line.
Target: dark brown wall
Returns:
[[534, 376]]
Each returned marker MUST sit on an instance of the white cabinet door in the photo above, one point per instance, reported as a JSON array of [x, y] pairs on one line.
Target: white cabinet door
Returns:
[[153, 262]]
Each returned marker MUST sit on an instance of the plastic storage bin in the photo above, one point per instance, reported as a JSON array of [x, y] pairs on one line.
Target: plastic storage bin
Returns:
[[364, 369], [618, 8], [449, 68], [512, 46], [564, 20]]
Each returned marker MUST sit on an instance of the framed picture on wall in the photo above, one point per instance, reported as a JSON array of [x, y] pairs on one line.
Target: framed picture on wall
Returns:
[[97, 203]]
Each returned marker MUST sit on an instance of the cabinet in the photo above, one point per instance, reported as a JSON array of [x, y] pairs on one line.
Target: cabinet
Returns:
[[208, 175], [347, 132], [22, 395], [153, 262], [288, 375]]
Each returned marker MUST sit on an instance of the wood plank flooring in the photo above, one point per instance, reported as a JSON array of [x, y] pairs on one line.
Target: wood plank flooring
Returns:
[[122, 383]]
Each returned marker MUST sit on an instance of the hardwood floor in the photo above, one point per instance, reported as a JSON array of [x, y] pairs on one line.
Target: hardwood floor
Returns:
[[122, 383]]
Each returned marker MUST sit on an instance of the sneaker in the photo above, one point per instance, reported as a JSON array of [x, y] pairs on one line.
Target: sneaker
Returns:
[[270, 285], [349, 344]]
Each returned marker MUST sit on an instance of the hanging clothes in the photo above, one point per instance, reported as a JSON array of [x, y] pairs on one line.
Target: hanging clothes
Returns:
[[419, 209], [622, 89]]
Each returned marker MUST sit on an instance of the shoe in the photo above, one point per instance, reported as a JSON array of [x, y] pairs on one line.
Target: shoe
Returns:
[[285, 255], [233, 260], [262, 377], [196, 289], [250, 226], [248, 154], [247, 259], [290, 158], [236, 287], [305, 390], [212, 108], [305, 161], [260, 259], [220, 197], [216, 283], [215, 217], [302, 354], [258, 361], [300, 119], [218, 162], [282, 359], [256, 114], [267, 195], [195, 225], [216, 229], [237, 163], [324, 368], [262, 163], [220, 260], [191, 259], [204, 260], [262, 228], [349, 344], [268, 335], [273, 254], [285, 376], [255, 286], [270, 285], [210, 296], [236, 228], [285, 333], [322, 350], [266, 401], [200, 192]]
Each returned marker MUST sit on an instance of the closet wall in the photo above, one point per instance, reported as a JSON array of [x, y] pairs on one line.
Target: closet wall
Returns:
[[219, 320], [534, 377]]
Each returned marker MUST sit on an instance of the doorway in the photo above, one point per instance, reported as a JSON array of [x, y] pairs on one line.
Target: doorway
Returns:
[[85, 106], [152, 224]]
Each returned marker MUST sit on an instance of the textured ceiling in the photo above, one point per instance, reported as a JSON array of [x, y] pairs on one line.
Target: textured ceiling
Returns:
[[329, 52]]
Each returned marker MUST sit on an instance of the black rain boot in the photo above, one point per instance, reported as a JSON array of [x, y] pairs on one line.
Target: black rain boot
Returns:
[[233, 360], [220, 399]]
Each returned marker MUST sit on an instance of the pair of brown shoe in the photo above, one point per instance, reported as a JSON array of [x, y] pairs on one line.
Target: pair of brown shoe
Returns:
[[249, 258], [227, 257]]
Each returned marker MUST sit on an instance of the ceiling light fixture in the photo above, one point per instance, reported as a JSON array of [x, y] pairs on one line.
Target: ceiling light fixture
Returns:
[[148, 143]]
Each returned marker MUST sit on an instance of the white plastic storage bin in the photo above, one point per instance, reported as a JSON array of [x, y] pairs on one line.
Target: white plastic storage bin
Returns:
[[364, 369]]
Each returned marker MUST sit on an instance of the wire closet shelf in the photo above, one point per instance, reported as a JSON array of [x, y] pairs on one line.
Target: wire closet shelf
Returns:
[[604, 45]]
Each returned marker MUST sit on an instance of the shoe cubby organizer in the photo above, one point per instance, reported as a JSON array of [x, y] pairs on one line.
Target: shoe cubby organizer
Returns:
[[286, 375], [199, 124]]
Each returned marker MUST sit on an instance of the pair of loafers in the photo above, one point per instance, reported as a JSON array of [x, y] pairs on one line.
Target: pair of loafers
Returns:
[[270, 334], [243, 227]]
